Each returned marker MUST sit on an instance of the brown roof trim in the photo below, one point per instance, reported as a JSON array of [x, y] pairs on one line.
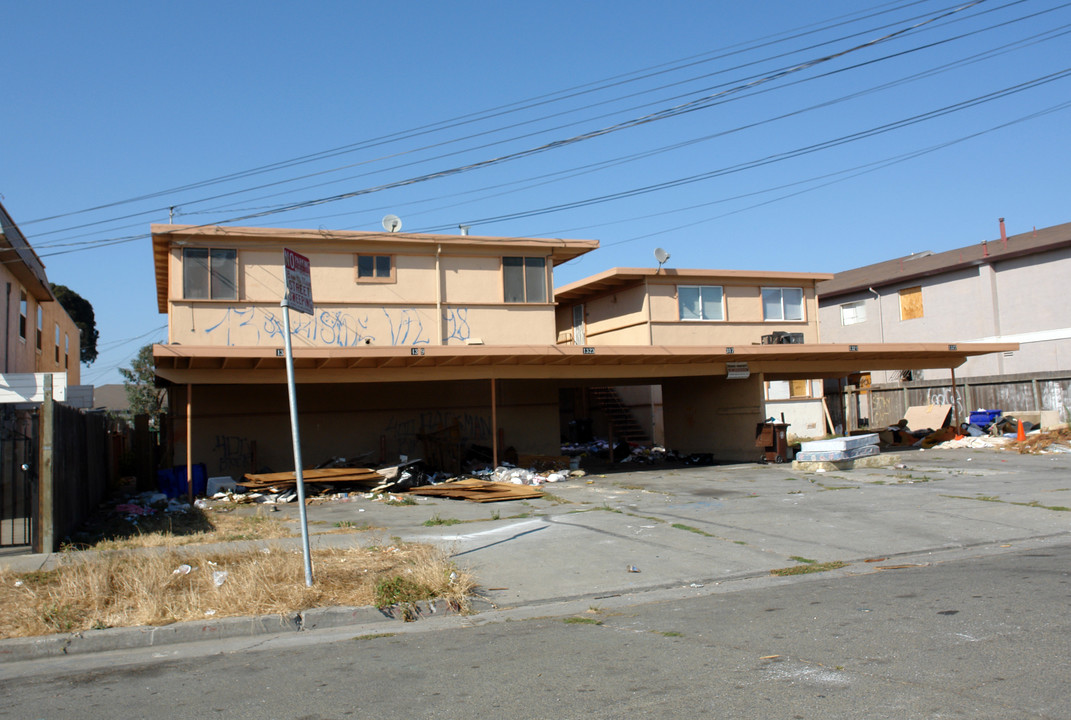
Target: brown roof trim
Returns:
[[218, 365], [913, 267], [20, 258], [163, 236], [617, 278]]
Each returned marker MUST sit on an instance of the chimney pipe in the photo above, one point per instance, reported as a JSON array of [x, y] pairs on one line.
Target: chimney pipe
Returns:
[[1003, 235]]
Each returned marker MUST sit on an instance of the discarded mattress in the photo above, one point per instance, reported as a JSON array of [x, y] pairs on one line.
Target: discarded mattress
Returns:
[[839, 444], [837, 455]]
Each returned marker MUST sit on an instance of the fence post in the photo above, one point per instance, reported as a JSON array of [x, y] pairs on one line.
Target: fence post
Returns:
[[45, 535]]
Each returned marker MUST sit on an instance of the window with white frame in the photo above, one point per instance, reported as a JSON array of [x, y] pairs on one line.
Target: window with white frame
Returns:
[[209, 274], [782, 303], [524, 279], [853, 313], [23, 311], [700, 302]]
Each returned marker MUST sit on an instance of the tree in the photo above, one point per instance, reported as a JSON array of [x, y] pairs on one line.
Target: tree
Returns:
[[82, 313], [140, 383]]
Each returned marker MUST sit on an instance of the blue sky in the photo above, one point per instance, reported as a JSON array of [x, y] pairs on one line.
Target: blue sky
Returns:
[[774, 135]]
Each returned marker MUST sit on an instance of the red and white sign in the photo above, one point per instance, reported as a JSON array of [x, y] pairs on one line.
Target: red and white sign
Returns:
[[298, 281]]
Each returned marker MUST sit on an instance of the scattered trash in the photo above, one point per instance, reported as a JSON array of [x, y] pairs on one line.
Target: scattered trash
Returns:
[[219, 577], [201, 504], [182, 570], [18, 583], [696, 585], [633, 569], [210, 612]]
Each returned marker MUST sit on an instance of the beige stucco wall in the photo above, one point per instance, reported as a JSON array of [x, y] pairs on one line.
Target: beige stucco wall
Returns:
[[621, 317], [713, 415], [21, 355], [348, 313], [239, 428]]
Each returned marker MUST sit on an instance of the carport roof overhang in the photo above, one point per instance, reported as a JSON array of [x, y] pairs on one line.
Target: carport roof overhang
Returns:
[[186, 364]]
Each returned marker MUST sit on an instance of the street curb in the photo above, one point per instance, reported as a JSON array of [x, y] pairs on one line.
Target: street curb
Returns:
[[93, 641]]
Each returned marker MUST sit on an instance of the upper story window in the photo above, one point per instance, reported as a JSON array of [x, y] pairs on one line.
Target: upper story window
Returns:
[[23, 314], [852, 313], [700, 302], [57, 342], [209, 274], [524, 279], [375, 268], [66, 351], [782, 303], [40, 326], [911, 303]]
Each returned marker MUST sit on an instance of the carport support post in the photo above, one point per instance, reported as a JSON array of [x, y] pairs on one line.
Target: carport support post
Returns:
[[189, 441], [298, 474], [955, 402], [494, 425]]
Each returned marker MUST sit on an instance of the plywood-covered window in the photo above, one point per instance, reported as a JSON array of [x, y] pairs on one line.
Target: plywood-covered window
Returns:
[[911, 303], [524, 279], [209, 274], [375, 269], [788, 389]]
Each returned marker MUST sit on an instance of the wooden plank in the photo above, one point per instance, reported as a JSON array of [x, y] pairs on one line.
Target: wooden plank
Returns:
[[478, 491]]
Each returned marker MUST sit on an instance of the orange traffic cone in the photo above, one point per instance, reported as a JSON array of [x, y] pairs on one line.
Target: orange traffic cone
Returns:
[[1020, 435]]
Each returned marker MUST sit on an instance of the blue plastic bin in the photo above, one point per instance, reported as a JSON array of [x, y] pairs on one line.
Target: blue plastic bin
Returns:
[[981, 418], [172, 481]]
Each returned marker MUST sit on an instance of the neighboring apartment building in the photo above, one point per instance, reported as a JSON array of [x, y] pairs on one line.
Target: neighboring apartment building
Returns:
[[1007, 290], [419, 340], [37, 334], [671, 307]]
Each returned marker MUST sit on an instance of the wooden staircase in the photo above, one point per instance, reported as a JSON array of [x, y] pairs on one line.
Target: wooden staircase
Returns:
[[622, 421]]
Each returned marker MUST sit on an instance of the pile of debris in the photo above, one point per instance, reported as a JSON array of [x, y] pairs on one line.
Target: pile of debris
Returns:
[[626, 452]]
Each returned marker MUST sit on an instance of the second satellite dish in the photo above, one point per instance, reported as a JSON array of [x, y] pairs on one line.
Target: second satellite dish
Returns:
[[392, 223], [661, 256]]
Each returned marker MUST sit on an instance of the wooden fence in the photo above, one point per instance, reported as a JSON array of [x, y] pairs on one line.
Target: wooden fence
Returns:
[[883, 405], [74, 470]]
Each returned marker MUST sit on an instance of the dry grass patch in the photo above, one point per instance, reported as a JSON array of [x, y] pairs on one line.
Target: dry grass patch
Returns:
[[193, 527], [121, 588]]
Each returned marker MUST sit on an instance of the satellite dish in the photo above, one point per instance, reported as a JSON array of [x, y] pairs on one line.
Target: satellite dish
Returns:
[[392, 223], [661, 256]]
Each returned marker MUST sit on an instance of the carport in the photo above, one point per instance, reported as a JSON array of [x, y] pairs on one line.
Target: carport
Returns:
[[232, 401]]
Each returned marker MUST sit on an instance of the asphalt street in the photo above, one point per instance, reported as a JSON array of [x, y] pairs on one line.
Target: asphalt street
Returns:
[[984, 637], [954, 602]]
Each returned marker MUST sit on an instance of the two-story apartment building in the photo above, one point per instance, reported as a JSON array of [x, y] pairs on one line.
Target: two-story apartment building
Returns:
[[416, 334], [698, 308], [1003, 290], [37, 334]]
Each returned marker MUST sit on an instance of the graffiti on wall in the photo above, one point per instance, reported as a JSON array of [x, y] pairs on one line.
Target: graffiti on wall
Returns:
[[405, 430], [339, 328], [235, 454]]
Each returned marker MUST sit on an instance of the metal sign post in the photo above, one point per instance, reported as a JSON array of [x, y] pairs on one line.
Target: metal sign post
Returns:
[[299, 297]]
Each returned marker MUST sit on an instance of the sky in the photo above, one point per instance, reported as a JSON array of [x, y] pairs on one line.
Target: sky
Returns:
[[778, 135]]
